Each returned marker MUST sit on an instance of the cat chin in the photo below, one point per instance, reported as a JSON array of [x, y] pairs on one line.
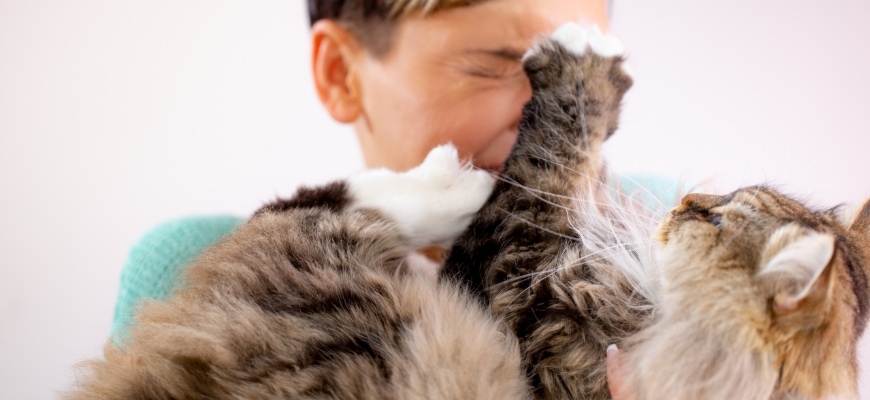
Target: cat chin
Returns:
[[678, 363]]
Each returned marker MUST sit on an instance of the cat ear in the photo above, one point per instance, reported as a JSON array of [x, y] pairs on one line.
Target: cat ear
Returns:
[[796, 268], [856, 217]]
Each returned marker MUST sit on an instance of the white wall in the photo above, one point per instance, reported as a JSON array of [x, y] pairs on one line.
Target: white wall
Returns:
[[117, 115], [749, 91]]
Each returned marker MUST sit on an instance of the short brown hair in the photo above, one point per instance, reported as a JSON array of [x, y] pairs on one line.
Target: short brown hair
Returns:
[[372, 21]]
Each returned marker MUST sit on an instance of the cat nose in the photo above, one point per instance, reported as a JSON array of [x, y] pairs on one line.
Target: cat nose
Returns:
[[701, 201]]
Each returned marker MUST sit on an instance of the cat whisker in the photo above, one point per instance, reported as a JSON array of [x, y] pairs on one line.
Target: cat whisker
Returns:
[[538, 195], [588, 201], [585, 259], [561, 235], [536, 192], [602, 182], [548, 274], [645, 190]]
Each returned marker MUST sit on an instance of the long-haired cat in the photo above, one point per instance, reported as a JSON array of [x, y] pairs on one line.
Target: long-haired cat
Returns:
[[749, 296]]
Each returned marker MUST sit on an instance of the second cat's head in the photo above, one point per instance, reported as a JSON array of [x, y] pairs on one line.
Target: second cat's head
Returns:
[[780, 286]]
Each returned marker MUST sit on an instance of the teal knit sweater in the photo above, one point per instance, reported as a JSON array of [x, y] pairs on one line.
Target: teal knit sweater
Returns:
[[155, 264]]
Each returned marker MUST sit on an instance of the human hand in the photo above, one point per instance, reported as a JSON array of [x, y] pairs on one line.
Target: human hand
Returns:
[[619, 389]]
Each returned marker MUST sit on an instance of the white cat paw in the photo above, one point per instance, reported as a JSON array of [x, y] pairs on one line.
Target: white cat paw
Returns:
[[432, 203], [577, 38]]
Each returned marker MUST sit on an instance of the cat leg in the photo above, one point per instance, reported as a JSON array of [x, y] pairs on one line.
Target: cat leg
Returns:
[[578, 82], [524, 233]]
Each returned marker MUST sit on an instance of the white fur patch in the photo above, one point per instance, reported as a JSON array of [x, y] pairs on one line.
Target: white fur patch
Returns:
[[849, 214], [432, 203], [616, 230], [576, 38]]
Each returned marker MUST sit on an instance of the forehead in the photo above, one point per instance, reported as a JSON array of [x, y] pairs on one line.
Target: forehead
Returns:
[[768, 201], [502, 23]]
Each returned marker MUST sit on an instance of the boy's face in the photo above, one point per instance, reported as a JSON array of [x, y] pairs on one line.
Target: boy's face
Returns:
[[455, 76]]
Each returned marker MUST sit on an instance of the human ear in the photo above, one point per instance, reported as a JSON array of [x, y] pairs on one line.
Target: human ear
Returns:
[[334, 51]]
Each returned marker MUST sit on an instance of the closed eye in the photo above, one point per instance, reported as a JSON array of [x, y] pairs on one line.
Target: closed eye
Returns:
[[482, 73], [493, 73], [492, 64], [716, 220]]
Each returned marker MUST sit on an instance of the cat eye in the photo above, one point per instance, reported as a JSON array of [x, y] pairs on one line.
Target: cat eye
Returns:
[[716, 220]]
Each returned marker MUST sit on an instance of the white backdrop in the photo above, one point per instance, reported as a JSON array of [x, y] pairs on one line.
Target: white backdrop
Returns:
[[118, 115]]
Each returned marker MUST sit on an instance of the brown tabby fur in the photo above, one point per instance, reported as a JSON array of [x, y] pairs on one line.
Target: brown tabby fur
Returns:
[[723, 318], [562, 320], [713, 332], [309, 298], [308, 302]]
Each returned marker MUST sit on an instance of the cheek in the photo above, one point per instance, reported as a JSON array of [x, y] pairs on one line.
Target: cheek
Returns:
[[397, 115], [664, 229], [409, 116], [482, 125], [691, 237], [684, 262]]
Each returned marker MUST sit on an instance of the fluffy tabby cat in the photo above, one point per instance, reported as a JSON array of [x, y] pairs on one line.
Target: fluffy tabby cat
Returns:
[[749, 295]]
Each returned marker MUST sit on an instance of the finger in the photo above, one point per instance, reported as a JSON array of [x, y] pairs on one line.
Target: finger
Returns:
[[615, 375]]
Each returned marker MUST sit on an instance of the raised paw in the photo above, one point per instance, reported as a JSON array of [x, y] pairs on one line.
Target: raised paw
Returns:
[[577, 39], [432, 203], [581, 70]]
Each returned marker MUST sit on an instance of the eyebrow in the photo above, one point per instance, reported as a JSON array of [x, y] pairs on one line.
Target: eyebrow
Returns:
[[506, 53]]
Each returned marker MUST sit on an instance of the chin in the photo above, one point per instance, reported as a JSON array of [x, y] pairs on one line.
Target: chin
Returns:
[[496, 169]]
